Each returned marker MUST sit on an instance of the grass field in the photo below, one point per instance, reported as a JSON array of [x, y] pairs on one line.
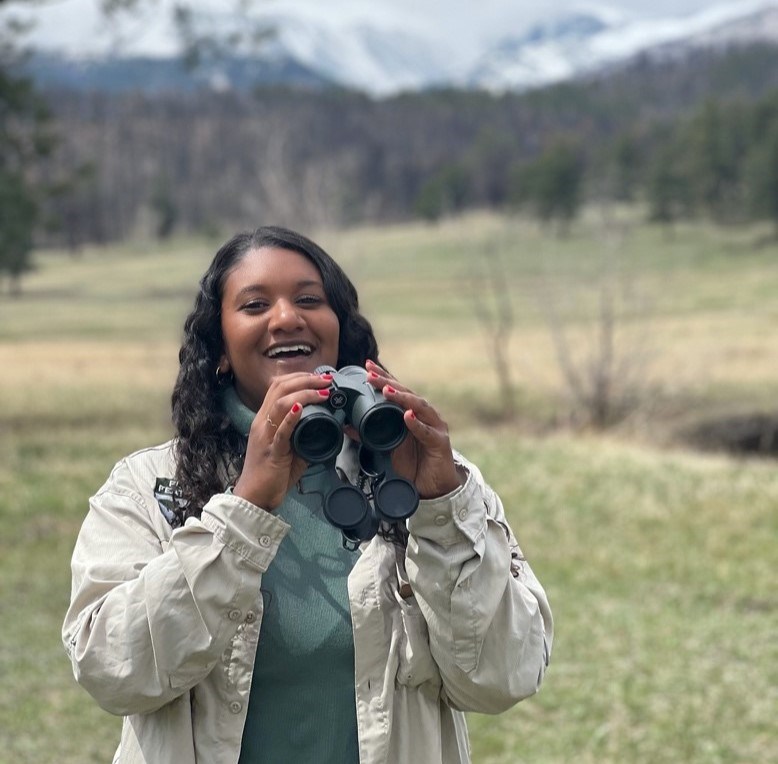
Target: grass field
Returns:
[[659, 561]]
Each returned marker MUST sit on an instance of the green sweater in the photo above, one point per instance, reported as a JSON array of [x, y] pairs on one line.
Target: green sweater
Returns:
[[302, 706]]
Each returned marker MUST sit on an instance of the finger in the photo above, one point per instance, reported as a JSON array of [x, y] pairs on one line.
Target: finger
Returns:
[[421, 407], [371, 365], [288, 384], [432, 439], [281, 407], [282, 438], [375, 370], [378, 381]]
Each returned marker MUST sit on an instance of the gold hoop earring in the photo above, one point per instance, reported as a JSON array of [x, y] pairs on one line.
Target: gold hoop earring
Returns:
[[223, 377]]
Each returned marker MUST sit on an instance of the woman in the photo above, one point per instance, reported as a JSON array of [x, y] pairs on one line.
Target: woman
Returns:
[[215, 608]]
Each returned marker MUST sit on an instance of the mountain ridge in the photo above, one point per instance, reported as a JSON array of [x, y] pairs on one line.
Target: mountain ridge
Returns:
[[381, 57]]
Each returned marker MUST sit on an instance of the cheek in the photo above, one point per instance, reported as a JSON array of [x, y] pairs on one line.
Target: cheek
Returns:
[[237, 335], [334, 332]]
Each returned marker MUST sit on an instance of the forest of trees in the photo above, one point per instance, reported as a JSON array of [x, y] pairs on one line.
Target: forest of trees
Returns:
[[692, 136], [26, 141]]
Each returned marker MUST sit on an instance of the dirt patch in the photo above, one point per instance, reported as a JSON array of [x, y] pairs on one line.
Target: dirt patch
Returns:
[[748, 434]]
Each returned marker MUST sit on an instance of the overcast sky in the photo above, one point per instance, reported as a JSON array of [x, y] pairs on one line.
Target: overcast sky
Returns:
[[76, 23]]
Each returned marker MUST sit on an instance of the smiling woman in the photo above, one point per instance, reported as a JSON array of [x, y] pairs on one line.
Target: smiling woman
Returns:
[[275, 320], [216, 608]]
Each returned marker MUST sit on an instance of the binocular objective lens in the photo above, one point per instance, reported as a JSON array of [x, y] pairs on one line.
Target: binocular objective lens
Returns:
[[383, 428], [318, 439]]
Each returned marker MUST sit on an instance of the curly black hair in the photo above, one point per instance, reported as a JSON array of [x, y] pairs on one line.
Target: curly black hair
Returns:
[[209, 450]]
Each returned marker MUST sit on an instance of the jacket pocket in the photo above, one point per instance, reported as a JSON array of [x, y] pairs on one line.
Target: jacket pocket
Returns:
[[416, 664]]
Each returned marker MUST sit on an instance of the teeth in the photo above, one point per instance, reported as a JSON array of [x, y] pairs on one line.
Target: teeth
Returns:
[[283, 349]]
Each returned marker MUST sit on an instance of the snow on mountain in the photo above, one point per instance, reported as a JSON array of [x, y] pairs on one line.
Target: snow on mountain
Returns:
[[762, 25], [377, 49], [383, 48], [548, 52], [578, 44], [381, 55]]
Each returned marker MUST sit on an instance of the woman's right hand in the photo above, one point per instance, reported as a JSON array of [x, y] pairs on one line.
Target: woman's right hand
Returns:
[[271, 466]]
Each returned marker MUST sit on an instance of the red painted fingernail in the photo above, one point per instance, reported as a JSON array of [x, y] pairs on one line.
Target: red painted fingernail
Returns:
[[389, 389], [326, 376], [324, 393], [372, 375], [296, 408], [412, 416]]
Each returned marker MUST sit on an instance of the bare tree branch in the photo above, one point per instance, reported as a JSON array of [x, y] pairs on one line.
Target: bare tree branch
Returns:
[[493, 307], [606, 374]]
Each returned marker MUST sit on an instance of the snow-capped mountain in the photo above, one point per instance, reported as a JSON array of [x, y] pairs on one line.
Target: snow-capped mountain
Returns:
[[381, 55], [382, 48], [584, 43]]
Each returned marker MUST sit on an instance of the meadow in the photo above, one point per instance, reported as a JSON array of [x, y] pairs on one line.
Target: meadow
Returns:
[[659, 560]]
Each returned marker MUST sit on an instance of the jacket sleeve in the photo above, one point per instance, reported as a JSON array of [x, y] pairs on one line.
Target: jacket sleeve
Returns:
[[149, 618], [489, 621]]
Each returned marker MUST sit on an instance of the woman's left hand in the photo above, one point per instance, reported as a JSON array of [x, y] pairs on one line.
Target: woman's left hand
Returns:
[[425, 456]]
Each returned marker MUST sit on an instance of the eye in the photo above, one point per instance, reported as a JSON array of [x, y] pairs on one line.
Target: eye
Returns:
[[254, 306], [310, 300]]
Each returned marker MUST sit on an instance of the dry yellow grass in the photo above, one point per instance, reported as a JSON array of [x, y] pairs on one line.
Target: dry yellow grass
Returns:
[[70, 363]]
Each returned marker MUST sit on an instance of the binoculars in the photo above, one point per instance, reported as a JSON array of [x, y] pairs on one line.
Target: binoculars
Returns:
[[318, 439], [318, 436]]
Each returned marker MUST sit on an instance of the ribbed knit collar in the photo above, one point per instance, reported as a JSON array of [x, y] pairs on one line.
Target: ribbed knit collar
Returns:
[[239, 413]]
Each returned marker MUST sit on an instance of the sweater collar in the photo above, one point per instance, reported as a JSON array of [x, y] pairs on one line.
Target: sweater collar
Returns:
[[238, 412]]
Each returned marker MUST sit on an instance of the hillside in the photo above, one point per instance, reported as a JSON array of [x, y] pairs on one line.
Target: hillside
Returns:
[[319, 158]]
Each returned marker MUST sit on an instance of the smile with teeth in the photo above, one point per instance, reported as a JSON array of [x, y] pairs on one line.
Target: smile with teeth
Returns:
[[287, 351]]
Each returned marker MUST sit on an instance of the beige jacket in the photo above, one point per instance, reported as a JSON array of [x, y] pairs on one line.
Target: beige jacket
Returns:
[[163, 625]]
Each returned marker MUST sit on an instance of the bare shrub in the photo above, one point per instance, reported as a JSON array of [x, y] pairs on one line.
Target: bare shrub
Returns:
[[600, 327], [492, 303]]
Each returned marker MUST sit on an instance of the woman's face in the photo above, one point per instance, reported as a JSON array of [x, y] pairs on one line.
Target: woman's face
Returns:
[[275, 320]]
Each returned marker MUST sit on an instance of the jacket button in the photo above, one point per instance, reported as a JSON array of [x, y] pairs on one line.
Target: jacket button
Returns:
[[264, 541], [441, 519], [236, 707], [251, 616], [462, 514], [234, 615]]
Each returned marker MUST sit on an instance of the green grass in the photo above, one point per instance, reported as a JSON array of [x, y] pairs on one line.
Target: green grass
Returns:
[[660, 572], [49, 466], [659, 562]]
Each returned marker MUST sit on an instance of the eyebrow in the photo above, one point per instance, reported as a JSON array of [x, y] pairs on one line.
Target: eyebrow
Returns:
[[304, 284]]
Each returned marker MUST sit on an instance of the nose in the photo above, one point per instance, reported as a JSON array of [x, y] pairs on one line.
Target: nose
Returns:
[[285, 317]]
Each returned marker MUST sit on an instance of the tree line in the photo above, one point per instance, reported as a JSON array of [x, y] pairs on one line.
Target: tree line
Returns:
[[26, 141], [719, 162], [687, 137]]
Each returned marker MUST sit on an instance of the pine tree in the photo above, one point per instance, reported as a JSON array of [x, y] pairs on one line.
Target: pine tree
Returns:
[[762, 177], [24, 139], [668, 188], [716, 142], [553, 184]]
